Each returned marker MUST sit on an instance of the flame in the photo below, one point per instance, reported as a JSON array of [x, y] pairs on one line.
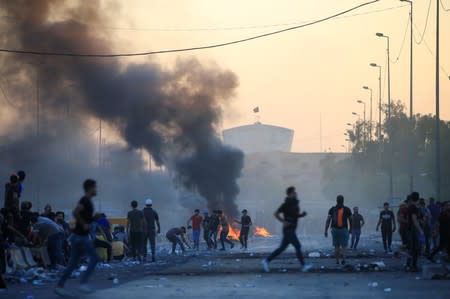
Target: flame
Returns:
[[233, 233], [262, 232]]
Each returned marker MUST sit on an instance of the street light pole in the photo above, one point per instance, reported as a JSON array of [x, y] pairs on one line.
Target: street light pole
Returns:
[[379, 99], [371, 108], [411, 124], [389, 125], [364, 123]]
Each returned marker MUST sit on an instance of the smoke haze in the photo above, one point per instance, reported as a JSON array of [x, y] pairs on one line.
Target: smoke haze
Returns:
[[172, 113]]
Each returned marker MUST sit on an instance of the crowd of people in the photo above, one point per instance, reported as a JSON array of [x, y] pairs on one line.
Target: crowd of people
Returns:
[[424, 230]]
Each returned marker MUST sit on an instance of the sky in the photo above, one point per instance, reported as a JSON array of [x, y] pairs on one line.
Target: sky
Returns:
[[300, 77]]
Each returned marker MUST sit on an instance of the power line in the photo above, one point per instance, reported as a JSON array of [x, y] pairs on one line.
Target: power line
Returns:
[[68, 54], [230, 28], [5, 96], [426, 25], [432, 54], [403, 42], [443, 6]]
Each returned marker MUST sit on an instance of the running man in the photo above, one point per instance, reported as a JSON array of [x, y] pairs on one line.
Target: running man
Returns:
[[81, 244], [339, 218], [196, 221], [290, 210], [176, 236], [245, 223], [151, 221], [225, 231], [387, 222], [357, 222]]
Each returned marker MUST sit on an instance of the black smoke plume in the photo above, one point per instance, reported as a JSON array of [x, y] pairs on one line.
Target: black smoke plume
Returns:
[[172, 113]]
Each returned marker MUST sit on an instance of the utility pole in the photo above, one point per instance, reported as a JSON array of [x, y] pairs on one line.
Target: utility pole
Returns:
[[38, 141], [320, 131], [100, 145], [438, 120], [411, 121], [411, 116], [391, 145]]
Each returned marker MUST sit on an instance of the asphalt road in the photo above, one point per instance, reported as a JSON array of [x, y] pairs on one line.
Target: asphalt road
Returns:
[[239, 274]]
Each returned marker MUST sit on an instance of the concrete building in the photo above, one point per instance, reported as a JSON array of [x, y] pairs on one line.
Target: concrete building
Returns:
[[270, 167], [259, 138]]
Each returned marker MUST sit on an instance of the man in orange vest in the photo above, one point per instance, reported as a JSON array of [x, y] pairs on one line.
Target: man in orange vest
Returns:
[[339, 217]]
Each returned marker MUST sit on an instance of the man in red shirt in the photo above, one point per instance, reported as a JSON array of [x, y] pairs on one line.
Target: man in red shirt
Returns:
[[402, 219], [196, 221]]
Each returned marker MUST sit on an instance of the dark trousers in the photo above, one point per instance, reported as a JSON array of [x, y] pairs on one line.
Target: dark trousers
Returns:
[[386, 234], [82, 246], [213, 238], [2, 256], [444, 243], [207, 238], [55, 249], [413, 248], [104, 244], [403, 231], [224, 239], [356, 234], [150, 236], [427, 233], [243, 236], [175, 240], [289, 237], [136, 239]]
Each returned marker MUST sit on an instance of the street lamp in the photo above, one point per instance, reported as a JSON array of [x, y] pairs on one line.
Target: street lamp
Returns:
[[364, 123], [370, 117], [411, 127], [391, 149], [379, 99]]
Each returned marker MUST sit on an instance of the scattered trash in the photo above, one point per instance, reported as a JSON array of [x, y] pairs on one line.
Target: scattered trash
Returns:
[[387, 290], [258, 276], [322, 267], [238, 260], [417, 278], [236, 285], [115, 281], [210, 263], [372, 284], [314, 254], [283, 270], [104, 266], [380, 264], [83, 268], [37, 282]]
